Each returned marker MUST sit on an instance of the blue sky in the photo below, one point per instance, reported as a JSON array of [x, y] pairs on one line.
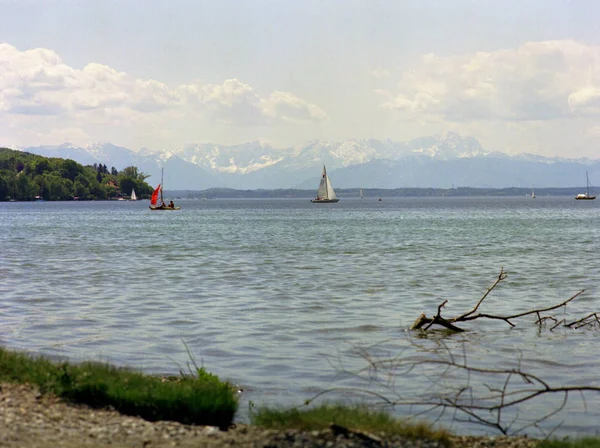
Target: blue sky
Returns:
[[520, 76]]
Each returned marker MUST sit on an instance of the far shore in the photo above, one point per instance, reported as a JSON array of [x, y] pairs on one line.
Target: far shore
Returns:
[[355, 193]]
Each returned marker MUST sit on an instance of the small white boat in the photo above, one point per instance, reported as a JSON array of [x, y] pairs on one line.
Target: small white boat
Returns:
[[532, 192], [586, 195], [133, 195]]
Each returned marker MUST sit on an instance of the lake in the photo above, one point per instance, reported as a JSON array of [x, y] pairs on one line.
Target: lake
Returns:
[[278, 295]]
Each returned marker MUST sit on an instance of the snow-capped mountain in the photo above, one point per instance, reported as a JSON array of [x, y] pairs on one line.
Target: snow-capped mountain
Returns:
[[256, 156], [434, 161]]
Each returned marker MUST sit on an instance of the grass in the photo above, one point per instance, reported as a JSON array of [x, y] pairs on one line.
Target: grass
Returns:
[[569, 443], [202, 399], [357, 418]]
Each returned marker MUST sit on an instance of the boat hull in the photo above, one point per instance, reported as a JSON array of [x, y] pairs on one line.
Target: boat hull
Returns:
[[155, 209], [324, 201], [586, 198]]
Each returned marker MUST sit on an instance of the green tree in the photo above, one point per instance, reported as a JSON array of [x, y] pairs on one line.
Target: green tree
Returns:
[[70, 169], [81, 187], [60, 189], [24, 176], [5, 187], [42, 166]]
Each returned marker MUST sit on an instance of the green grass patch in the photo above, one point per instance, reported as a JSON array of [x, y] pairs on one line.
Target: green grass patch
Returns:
[[571, 443], [357, 418], [202, 399]]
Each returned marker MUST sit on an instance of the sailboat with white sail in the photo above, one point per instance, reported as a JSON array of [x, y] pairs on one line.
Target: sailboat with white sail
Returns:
[[157, 194], [325, 193], [533, 192], [133, 196], [586, 195]]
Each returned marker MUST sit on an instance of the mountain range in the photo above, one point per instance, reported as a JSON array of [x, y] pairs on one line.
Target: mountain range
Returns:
[[440, 161]]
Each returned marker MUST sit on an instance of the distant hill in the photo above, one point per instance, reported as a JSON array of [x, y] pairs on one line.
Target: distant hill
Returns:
[[427, 162], [27, 177]]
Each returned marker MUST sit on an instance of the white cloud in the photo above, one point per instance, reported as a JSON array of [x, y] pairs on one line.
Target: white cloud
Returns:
[[292, 109], [232, 102], [237, 103], [38, 83], [586, 100], [537, 81]]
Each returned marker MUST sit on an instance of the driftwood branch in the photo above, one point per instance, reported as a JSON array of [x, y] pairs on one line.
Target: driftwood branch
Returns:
[[425, 323], [491, 397]]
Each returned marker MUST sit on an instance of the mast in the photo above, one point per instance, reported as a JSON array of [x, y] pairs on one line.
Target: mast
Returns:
[[162, 172], [326, 182], [587, 185]]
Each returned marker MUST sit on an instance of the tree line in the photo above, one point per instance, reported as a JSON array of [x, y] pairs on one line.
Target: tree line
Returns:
[[28, 177]]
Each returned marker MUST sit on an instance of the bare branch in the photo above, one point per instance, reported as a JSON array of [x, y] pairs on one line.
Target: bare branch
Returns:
[[501, 277], [425, 323], [492, 397]]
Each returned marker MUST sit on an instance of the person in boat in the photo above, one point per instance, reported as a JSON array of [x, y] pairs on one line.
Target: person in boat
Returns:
[[171, 205]]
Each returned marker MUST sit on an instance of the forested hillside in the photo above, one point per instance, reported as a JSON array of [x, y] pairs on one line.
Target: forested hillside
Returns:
[[28, 177]]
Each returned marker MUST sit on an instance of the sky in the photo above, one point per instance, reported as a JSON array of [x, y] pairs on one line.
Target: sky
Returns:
[[520, 76]]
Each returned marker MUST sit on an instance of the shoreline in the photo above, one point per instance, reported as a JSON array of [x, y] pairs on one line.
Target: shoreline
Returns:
[[31, 420]]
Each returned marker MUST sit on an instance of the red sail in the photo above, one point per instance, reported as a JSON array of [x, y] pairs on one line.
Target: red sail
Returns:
[[155, 195]]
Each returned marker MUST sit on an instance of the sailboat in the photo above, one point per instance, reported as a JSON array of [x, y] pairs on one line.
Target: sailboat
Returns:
[[532, 192], [361, 193], [133, 196], [325, 193], [158, 193], [586, 195]]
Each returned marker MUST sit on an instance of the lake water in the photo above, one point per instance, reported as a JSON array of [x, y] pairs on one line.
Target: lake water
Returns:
[[277, 295]]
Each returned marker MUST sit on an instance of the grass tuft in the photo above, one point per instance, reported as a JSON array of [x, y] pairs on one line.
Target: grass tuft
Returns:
[[200, 400], [357, 418]]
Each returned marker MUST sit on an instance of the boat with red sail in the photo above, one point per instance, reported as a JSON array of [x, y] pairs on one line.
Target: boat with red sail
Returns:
[[157, 201]]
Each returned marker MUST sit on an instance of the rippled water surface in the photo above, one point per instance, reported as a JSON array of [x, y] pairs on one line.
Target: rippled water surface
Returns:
[[274, 294]]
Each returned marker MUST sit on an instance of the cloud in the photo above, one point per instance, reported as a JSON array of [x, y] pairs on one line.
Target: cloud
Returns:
[[537, 81], [292, 109], [235, 102], [38, 83], [232, 102], [586, 100]]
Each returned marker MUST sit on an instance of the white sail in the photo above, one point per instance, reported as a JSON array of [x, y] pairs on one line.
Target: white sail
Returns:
[[361, 193], [322, 191], [325, 193], [330, 192], [133, 195]]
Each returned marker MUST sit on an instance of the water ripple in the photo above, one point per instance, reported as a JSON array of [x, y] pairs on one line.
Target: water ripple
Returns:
[[274, 294]]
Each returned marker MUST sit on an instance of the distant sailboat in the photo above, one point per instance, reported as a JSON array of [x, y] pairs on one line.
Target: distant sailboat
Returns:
[[133, 195], [532, 192], [325, 193], [586, 195], [361, 193], [159, 193]]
